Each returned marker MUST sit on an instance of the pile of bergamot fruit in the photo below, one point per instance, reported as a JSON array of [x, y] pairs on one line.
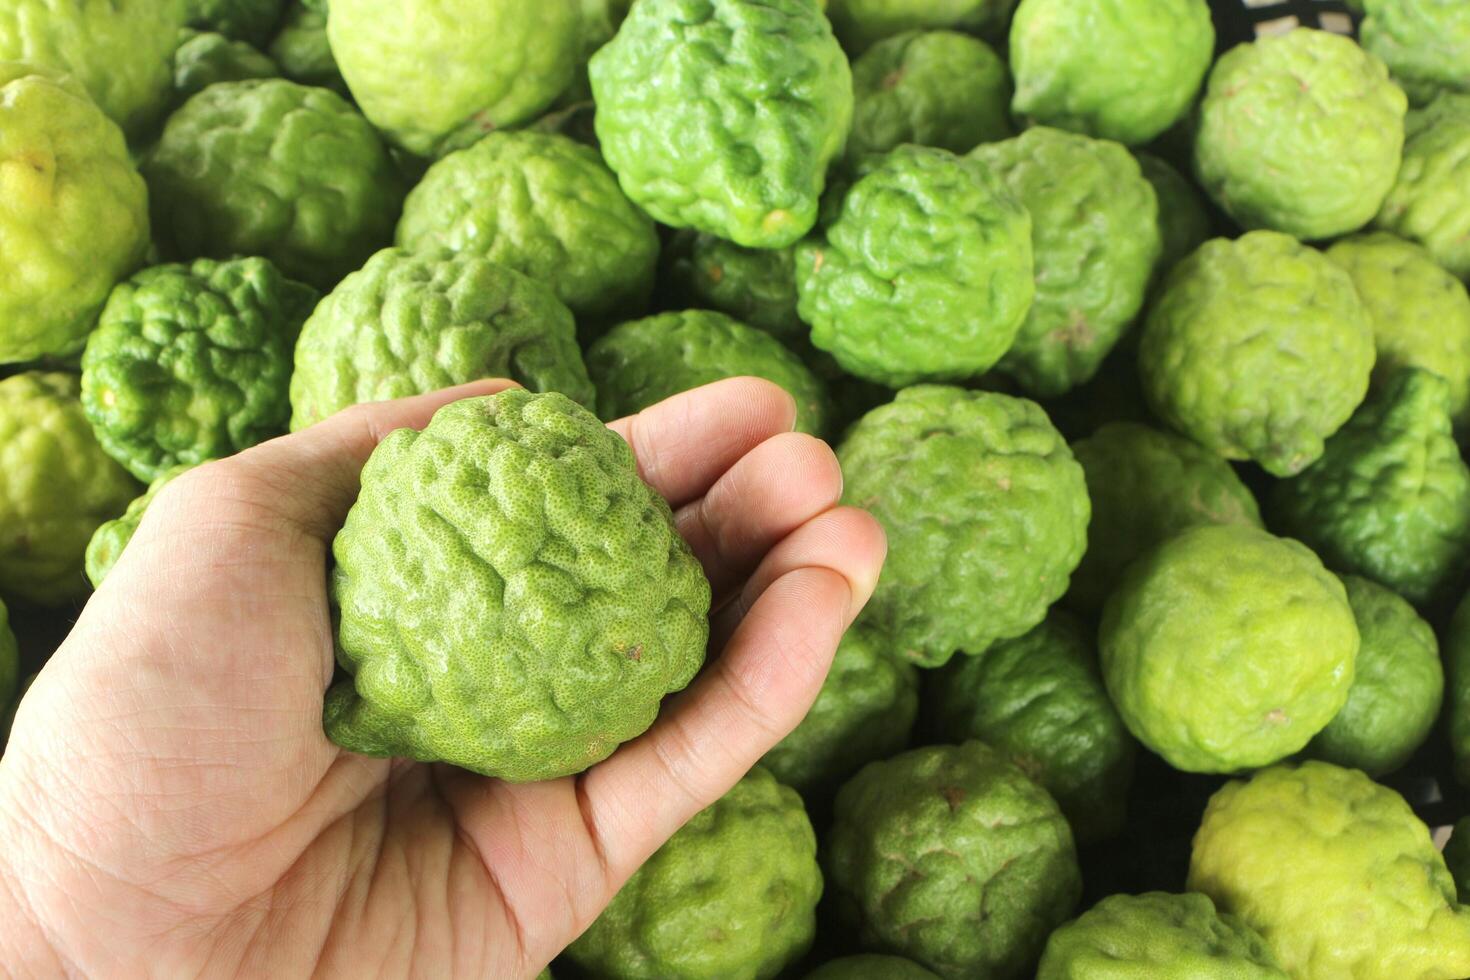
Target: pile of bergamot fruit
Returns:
[[1151, 353]]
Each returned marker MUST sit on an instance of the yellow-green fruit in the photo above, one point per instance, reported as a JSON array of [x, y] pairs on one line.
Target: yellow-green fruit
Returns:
[[1336, 872]]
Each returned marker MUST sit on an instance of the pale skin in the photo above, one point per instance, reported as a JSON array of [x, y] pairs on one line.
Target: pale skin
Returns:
[[170, 807]]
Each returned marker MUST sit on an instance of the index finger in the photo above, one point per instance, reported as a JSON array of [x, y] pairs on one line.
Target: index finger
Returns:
[[684, 443]]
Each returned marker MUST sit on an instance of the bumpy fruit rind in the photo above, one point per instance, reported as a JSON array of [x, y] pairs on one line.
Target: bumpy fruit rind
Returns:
[[112, 537], [204, 58], [754, 285], [862, 23], [1430, 203], [1425, 43]]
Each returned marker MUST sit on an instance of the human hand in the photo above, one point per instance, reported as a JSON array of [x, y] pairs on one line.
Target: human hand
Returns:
[[169, 804]]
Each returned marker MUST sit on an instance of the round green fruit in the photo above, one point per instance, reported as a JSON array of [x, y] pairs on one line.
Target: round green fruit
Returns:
[[1147, 485], [120, 51], [56, 486], [575, 606], [406, 324], [1430, 202], [754, 285], [270, 168], [864, 712], [934, 88], [722, 115], [862, 23], [950, 856], [302, 52], [731, 896], [192, 362], [1122, 70], [986, 514], [925, 273], [1300, 132], [1040, 700], [1425, 43], [1336, 872], [1421, 313], [871, 966], [1398, 684], [112, 537], [75, 218], [1257, 348], [1226, 648], [1156, 936], [1390, 498], [204, 58], [542, 204], [251, 21], [1184, 221], [492, 64], [1095, 238]]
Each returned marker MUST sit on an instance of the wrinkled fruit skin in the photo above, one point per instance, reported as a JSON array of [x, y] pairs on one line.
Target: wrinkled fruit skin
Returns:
[[56, 486], [871, 966], [573, 604], [1429, 203], [1122, 70], [1156, 934], [731, 896], [722, 115], [1095, 237], [862, 23], [1425, 43], [950, 856], [192, 362], [1040, 700], [925, 274], [1146, 485], [1336, 872], [204, 58], [754, 285], [642, 362], [1226, 648], [1398, 684], [1457, 689], [1421, 313], [120, 51], [112, 537], [407, 324], [271, 168], [499, 64], [1184, 222], [1257, 348], [9, 660], [544, 205], [245, 20], [1300, 133], [864, 712], [934, 88], [1390, 498], [302, 52], [986, 514], [75, 220]]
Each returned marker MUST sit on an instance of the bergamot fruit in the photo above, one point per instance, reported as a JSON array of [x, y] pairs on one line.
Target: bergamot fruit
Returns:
[[862, 23], [1226, 648], [950, 856], [56, 486], [193, 362], [754, 285], [251, 21], [1300, 132], [1154, 936], [271, 168], [120, 51], [1336, 872], [642, 362], [1095, 237], [493, 64], [302, 52], [864, 712], [1184, 221], [1390, 498], [925, 273], [542, 204], [112, 537], [406, 324], [75, 218], [1425, 43], [934, 88], [9, 659], [1398, 684], [986, 514], [1430, 202], [1147, 485], [204, 58], [1257, 348], [513, 599], [722, 115], [1122, 70], [731, 896], [1420, 313], [1040, 700], [1457, 689], [871, 966]]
